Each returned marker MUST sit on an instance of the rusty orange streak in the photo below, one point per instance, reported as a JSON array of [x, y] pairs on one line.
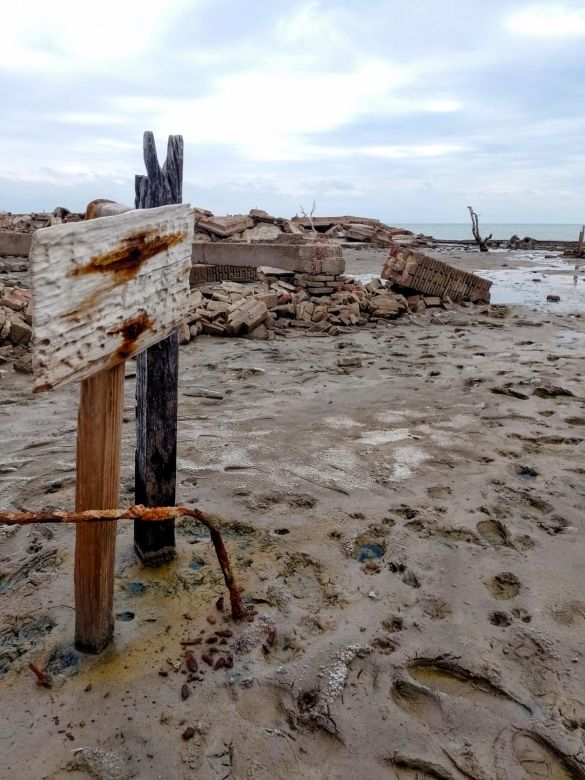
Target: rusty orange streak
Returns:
[[130, 331], [125, 260]]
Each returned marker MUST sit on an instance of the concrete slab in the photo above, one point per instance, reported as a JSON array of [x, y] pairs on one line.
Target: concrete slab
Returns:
[[306, 257], [15, 244]]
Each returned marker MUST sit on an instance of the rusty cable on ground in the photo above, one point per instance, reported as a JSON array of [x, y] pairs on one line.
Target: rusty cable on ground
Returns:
[[139, 512]]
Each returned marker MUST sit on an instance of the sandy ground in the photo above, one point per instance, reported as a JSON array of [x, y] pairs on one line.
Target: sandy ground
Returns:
[[412, 543]]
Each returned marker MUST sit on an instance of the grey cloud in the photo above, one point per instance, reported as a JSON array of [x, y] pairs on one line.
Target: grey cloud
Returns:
[[518, 127]]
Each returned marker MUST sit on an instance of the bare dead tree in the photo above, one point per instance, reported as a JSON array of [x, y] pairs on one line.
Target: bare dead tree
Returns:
[[309, 216], [481, 242]]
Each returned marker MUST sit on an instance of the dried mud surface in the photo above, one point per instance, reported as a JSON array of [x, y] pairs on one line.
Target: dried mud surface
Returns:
[[410, 540]]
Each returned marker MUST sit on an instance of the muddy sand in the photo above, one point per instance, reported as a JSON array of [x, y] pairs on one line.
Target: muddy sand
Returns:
[[408, 531]]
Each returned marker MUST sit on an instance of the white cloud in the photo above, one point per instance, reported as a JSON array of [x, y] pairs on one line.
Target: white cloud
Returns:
[[441, 105], [38, 35], [548, 21], [311, 24], [260, 112], [282, 100], [269, 114], [412, 150]]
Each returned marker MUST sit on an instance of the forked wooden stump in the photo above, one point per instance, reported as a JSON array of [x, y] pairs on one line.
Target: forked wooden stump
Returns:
[[157, 379]]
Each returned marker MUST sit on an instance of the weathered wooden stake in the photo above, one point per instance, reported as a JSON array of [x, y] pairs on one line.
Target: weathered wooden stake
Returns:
[[99, 433], [157, 374], [103, 291]]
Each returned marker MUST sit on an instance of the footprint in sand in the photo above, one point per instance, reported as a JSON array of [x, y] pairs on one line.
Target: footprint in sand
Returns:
[[568, 613], [22, 634], [504, 586], [419, 702], [537, 662], [439, 491], [43, 563], [435, 608], [305, 579], [267, 705], [500, 619], [575, 420], [493, 532], [447, 677], [406, 768], [522, 614], [408, 576], [554, 525], [541, 760]]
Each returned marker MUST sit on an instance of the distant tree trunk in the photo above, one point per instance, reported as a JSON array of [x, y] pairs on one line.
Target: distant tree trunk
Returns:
[[481, 242]]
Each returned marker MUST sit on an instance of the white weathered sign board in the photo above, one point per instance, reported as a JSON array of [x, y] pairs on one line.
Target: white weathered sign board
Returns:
[[105, 289]]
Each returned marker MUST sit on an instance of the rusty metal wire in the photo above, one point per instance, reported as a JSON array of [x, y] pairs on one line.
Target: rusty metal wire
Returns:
[[139, 512]]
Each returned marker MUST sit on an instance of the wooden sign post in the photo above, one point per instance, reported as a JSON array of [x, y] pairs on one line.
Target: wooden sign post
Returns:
[[157, 378], [103, 291]]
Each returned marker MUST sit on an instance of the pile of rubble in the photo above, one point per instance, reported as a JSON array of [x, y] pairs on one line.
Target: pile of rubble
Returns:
[[28, 223], [325, 300], [15, 326], [258, 225], [272, 307]]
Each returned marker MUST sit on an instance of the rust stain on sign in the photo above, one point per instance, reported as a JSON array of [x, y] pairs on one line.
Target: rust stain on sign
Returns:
[[130, 331], [125, 260], [105, 289], [123, 263]]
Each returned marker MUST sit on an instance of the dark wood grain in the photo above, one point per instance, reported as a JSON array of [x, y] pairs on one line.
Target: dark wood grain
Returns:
[[157, 372]]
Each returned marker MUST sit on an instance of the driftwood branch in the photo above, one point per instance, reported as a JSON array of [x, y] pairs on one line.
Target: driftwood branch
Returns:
[[481, 242], [148, 514], [309, 216]]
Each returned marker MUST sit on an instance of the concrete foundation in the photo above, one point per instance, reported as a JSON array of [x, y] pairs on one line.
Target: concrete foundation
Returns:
[[307, 257]]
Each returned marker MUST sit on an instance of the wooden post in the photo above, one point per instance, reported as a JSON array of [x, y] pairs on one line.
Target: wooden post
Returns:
[[99, 432], [157, 376], [103, 291]]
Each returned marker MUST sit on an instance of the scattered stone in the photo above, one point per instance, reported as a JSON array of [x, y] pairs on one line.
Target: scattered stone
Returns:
[[552, 391], [24, 364], [553, 298], [259, 333], [509, 391], [97, 762], [349, 362], [184, 333]]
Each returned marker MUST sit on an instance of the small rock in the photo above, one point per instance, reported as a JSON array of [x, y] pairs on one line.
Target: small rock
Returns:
[[184, 333], [553, 298], [20, 332], [259, 333], [348, 362], [97, 762], [552, 391], [24, 364]]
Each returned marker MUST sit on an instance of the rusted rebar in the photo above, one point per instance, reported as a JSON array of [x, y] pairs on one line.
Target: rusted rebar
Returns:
[[139, 512]]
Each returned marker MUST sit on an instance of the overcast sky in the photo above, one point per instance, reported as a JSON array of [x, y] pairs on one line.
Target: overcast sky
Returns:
[[403, 110]]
